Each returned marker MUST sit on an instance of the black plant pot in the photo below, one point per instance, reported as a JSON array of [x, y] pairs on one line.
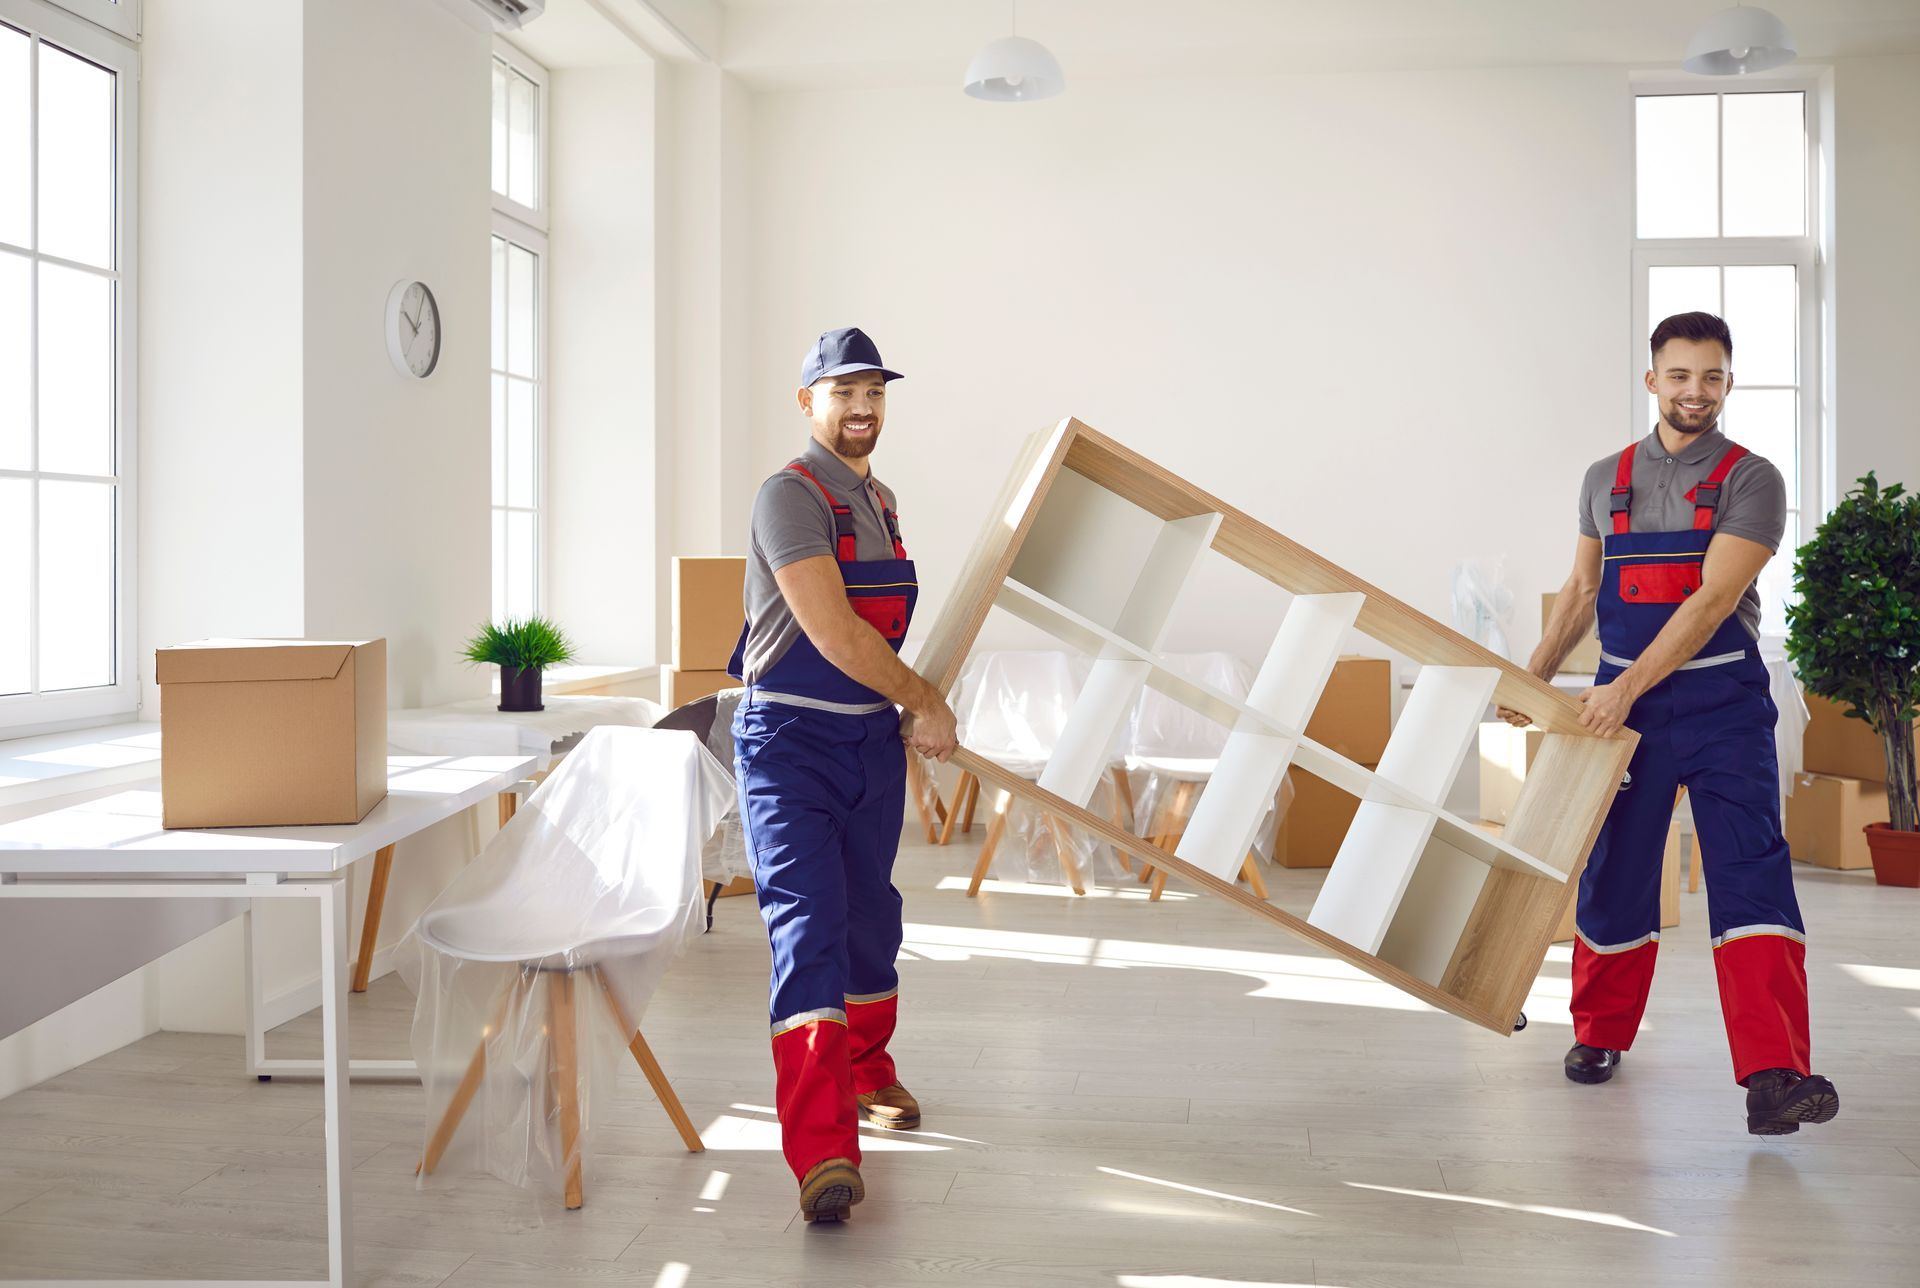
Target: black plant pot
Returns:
[[520, 690]]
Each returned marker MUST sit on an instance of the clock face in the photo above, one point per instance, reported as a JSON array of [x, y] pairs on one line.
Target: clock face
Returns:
[[413, 329]]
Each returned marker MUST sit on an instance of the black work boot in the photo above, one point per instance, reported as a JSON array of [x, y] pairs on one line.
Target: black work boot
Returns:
[[1591, 1064], [1779, 1100]]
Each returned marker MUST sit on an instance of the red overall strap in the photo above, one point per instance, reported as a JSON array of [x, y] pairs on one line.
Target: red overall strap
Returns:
[[847, 551], [1623, 489], [893, 525], [1706, 493]]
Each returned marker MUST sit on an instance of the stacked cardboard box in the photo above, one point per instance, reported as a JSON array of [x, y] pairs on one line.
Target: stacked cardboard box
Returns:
[[1354, 719], [708, 613], [1506, 754], [1843, 789], [1585, 657]]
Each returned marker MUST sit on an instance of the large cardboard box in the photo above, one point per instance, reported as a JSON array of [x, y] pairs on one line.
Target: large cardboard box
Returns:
[[1355, 714], [1315, 822], [1841, 747], [260, 733], [1506, 754], [708, 610], [1585, 657], [677, 687], [1825, 814]]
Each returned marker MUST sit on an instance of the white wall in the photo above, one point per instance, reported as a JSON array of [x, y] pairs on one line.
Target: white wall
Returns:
[[602, 343], [396, 146], [1381, 312], [1876, 264], [221, 325]]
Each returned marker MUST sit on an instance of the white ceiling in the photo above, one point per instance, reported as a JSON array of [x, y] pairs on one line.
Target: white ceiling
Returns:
[[790, 44]]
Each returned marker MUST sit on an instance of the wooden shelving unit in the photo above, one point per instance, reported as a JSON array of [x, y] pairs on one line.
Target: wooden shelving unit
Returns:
[[1092, 543]]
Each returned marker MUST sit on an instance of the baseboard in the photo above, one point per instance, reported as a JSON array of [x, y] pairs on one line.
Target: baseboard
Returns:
[[304, 997]]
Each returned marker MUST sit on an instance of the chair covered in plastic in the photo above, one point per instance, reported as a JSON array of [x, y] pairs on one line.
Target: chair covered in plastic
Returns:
[[532, 969]]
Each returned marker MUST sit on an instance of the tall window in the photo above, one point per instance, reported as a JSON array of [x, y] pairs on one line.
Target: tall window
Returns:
[[1725, 208], [66, 363], [519, 330]]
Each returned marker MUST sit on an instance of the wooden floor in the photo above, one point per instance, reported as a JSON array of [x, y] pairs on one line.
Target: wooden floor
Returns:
[[1107, 1103]]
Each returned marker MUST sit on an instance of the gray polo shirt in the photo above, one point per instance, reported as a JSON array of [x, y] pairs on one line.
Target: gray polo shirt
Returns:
[[792, 521], [1753, 499]]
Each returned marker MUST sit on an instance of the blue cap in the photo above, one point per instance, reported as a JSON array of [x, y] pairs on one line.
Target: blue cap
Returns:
[[838, 352]]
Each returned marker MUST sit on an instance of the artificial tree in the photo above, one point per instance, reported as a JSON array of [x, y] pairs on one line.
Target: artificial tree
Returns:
[[1854, 635]]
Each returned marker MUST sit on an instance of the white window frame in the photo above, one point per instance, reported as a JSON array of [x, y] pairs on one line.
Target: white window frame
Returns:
[[526, 226], [1803, 252], [122, 17], [21, 713]]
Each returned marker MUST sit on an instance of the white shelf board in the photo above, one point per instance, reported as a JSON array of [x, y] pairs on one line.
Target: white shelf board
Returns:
[[1076, 631]]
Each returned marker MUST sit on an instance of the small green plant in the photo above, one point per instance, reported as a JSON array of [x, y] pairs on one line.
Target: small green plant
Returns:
[[532, 644], [1854, 637]]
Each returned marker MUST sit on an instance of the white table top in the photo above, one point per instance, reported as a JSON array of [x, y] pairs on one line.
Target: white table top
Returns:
[[122, 833]]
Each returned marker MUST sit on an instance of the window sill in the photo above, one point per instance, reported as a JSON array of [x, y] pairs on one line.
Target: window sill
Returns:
[[60, 764]]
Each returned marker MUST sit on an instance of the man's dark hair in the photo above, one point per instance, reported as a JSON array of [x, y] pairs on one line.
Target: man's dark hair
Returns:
[[1691, 326]]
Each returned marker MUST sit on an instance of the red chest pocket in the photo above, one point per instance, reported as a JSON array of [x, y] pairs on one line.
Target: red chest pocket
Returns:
[[885, 613], [1658, 583]]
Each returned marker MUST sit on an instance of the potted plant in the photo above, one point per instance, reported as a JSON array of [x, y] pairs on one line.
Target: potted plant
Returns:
[[522, 649], [1854, 637]]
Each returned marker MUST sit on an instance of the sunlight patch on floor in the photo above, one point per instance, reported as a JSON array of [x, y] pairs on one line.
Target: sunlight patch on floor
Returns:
[[1566, 1214]]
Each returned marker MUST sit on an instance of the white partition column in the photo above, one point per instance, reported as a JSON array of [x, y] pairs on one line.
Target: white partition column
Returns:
[[1377, 858], [1082, 754], [1285, 692]]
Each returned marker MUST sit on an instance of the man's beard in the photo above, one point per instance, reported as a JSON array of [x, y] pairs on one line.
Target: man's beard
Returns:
[[1684, 420], [854, 448]]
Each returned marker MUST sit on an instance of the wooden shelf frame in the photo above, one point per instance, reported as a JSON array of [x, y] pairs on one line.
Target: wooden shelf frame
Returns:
[[1429, 902]]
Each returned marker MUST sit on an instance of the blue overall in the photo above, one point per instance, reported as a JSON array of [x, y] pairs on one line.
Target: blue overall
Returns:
[[1707, 727], [822, 776]]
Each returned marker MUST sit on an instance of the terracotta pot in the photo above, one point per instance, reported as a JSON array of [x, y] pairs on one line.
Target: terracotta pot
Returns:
[[1896, 855], [520, 690]]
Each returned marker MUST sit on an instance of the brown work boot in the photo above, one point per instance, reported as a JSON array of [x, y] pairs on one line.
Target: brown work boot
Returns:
[[830, 1190], [891, 1107]]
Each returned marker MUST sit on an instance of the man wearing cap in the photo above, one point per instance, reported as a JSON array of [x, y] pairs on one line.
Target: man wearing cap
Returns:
[[817, 751], [1673, 532]]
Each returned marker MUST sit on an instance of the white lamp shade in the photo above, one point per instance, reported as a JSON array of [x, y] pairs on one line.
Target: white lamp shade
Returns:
[[1014, 69], [1739, 40]]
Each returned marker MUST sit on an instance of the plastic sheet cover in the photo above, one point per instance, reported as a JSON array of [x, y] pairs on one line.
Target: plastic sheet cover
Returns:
[[1482, 604], [1174, 749], [533, 969]]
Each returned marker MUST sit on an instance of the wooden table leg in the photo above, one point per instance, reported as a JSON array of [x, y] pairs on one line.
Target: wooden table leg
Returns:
[[1002, 803], [1251, 871], [509, 806], [469, 1086], [967, 783], [973, 799], [656, 1076], [370, 924], [1063, 847], [566, 1078]]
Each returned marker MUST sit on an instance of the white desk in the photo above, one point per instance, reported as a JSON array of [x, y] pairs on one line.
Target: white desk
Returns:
[[115, 848]]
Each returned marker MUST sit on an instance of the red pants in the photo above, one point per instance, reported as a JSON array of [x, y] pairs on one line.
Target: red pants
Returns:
[[818, 1068]]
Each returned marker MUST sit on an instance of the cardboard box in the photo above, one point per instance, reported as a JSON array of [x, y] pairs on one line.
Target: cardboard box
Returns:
[[1585, 657], [1506, 754], [1841, 747], [1825, 814], [677, 687], [1315, 823], [708, 611], [262, 733], [1355, 714]]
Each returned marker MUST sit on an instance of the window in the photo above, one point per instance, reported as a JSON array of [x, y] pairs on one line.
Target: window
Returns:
[[66, 364], [1724, 213], [519, 330]]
